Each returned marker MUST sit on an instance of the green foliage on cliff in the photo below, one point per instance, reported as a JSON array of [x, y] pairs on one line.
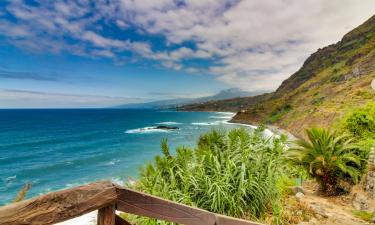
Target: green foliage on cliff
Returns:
[[360, 124], [236, 173]]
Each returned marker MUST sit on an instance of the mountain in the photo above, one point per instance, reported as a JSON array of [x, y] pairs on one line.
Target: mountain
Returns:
[[173, 103], [331, 81]]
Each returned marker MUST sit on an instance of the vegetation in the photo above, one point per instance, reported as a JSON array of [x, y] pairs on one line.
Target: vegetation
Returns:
[[360, 124], [329, 158], [237, 173], [364, 215], [22, 193]]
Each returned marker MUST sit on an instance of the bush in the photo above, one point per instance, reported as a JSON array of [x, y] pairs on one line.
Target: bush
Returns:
[[333, 160], [236, 173], [361, 122]]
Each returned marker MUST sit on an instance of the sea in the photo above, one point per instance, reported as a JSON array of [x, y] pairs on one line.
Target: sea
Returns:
[[60, 148]]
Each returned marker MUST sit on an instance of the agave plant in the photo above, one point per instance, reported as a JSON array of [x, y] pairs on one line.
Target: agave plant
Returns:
[[327, 157]]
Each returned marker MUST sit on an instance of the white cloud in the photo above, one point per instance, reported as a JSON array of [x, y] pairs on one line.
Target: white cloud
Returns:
[[258, 43], [254, 44]]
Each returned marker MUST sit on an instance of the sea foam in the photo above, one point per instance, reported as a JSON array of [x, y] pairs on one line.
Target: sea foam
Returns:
[[169, 123], [145, 130]]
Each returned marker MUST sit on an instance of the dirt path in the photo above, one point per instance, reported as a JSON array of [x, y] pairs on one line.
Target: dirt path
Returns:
[[331, 210]]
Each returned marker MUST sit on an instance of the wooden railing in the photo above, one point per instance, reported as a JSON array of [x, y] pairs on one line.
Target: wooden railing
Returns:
[[106, 197]]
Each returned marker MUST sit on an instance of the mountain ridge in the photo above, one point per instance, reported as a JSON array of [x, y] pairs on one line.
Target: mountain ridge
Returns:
[[330, 82], [173, 103]]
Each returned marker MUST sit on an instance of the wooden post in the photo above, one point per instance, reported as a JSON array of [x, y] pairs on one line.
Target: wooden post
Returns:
[[121, 221], [106, 215]]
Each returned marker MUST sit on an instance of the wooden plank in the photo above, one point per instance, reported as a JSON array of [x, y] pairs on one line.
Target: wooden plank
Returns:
[[138, 203], [59, 206], [121, 221], [106, 215], [226, 220]]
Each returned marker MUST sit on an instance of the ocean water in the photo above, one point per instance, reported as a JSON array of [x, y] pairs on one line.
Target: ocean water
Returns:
[[56, 149]]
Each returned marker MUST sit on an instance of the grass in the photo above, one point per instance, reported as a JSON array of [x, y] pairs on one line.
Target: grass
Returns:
[[363, 215], [236, 173]]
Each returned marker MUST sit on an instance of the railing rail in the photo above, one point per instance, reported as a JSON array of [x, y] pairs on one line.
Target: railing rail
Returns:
[[106, 197]]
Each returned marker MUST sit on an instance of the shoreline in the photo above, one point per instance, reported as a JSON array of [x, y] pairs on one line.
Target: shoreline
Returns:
[[91, 218]]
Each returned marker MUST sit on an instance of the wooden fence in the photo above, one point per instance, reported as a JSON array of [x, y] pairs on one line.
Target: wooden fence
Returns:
[[106, 197]]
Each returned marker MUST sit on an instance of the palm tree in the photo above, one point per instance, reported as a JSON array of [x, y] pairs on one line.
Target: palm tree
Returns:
[[328, 158]]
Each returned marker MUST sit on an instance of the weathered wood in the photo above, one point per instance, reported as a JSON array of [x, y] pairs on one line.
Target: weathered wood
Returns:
[[226, 220], [106, 215], [121, 221], [59, 206], [138, 203], [66, 204]]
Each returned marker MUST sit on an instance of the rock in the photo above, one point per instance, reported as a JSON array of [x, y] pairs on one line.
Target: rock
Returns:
[[167, 128], [299, 195], [296, 189], [360, 202], [318, 210]]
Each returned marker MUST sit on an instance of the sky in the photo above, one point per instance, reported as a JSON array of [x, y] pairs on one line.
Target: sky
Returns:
[[66, 54]]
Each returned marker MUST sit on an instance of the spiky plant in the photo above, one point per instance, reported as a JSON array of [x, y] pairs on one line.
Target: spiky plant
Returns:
[[328, 158], [236, 173]]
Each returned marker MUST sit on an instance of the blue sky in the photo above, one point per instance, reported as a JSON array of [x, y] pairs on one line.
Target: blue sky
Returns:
[[103, 53]]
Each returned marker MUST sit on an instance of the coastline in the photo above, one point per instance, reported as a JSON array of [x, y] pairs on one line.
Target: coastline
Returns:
[[91, 218]]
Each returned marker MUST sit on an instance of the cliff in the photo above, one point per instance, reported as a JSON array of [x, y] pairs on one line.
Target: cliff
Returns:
[[331, 81]]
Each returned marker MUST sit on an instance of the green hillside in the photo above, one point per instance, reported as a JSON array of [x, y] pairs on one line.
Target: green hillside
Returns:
[[331, 81]]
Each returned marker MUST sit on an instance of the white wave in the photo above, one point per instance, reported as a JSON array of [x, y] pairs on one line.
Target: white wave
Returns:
[[112, 162], [169, 123], [117, 180], [226, 113], [11, 178], [207, 123], [221, 117], [146, 130]]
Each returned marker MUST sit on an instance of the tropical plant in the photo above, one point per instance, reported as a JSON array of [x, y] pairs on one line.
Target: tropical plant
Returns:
[[237, 173], [329, 158]]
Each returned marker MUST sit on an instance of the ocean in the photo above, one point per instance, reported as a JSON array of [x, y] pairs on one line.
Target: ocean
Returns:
[[59, 148]]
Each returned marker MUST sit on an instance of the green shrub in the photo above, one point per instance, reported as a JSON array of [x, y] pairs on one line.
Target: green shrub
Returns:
[[333, 160], [237, 173], [361, 122]]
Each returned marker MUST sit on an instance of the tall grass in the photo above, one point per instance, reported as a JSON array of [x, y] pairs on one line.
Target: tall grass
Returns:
[[236, 173]]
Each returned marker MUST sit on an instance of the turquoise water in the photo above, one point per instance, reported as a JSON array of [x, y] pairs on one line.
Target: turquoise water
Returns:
[[55, 149]]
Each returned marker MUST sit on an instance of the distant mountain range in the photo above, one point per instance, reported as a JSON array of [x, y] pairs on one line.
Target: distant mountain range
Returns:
[[173, 103]]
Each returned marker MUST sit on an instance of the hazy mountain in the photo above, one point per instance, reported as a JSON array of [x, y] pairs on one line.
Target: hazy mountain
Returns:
[[172, 103]]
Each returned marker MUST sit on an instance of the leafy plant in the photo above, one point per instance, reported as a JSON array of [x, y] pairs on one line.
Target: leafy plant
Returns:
[[237, 173], [328, 158], [361, 122]]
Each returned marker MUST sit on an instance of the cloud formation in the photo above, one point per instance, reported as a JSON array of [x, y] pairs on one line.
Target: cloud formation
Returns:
[[253, 45]]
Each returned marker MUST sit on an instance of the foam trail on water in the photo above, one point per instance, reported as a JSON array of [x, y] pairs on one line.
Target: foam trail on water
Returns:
[[169, 123], [146, 130]]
